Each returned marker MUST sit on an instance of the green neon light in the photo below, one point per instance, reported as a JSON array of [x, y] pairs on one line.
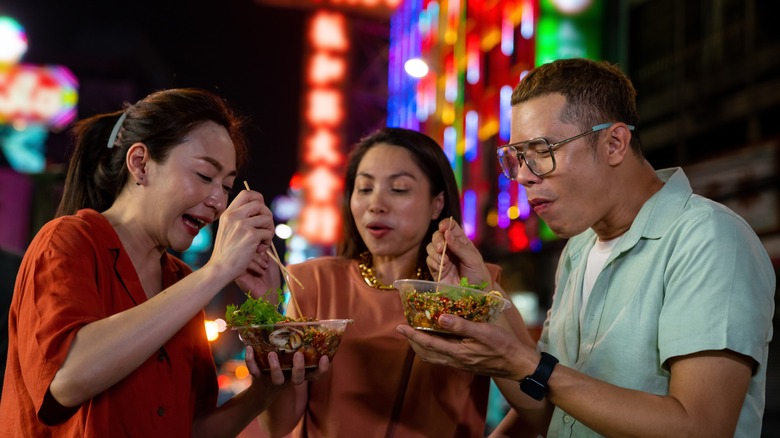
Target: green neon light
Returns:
[[562, 36]]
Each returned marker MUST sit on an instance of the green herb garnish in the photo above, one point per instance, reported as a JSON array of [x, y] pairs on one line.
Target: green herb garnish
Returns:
[[464, 281], [255, 311]]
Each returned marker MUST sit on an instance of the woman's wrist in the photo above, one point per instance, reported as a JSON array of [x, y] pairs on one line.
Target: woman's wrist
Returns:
[[217, 273], [477, 275]]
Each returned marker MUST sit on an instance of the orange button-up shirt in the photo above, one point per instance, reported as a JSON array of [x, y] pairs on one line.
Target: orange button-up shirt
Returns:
[[76, 272]]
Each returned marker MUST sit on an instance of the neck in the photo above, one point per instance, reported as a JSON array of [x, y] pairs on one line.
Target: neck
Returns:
[[640, 184], [380, 272], [389, 269], [137, 244]]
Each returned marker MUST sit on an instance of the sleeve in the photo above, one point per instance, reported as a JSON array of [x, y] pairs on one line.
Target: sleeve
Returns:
[[719, 290], [306, 296], [562, 270], [495, 273], [58, 295], [512, 314]]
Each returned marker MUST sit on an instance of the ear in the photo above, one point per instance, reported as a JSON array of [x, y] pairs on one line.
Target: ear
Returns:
[[136, 159], [619, 143], [438, 205]]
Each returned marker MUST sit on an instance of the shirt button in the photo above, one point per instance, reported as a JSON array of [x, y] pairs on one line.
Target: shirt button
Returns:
[[566, 418], [161, 411], [161, 357]]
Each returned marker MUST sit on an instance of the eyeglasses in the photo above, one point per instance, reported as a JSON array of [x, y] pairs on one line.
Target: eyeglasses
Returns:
[[537, 153]]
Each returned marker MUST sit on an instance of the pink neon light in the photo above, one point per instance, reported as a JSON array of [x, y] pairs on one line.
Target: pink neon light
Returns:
[[322, 186], [327, 32], [323, 148], [325, 107], [326, 69]]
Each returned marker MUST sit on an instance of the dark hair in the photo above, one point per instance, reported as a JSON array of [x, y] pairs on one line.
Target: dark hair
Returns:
[[162, 120], [596, 92], [428, 156]]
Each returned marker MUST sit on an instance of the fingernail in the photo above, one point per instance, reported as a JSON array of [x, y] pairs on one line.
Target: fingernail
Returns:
[[445, 320]]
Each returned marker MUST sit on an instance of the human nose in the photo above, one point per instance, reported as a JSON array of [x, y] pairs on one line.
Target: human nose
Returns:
[[217, 199], [376, 202], [524, 175]]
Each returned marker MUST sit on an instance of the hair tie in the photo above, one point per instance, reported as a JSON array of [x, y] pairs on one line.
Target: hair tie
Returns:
[[115, 131]]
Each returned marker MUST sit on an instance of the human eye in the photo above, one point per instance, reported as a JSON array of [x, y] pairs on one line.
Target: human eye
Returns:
[[228, 184], [363, 189], [537, 147], [205, 178]]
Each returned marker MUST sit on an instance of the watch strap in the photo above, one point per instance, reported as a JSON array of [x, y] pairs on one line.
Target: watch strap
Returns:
[[535, 385], [545, 368]]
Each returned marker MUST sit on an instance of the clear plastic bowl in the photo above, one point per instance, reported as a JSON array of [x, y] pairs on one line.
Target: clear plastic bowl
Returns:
[[314, 339], [424, 301]]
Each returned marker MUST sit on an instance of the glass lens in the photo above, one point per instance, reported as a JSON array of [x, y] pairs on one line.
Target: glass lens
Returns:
[[510, 162], [538, 156]]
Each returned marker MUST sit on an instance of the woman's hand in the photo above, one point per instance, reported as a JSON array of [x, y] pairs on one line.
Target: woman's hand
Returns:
[[262, 275], [245, 230], [276, 376], [462, 258]]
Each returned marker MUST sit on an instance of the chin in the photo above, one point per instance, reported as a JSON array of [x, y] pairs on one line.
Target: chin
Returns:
[[181, 246], [567, 232]]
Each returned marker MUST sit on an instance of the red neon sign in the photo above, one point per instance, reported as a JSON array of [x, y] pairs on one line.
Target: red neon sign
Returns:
[[37, 94], [373, 7], [323, 114]]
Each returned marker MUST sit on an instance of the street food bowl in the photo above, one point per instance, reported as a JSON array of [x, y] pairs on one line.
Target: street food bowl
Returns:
[[313, 338], [425, 301]]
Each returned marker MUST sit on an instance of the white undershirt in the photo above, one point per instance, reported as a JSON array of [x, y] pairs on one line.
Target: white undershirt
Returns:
[[596, 259]]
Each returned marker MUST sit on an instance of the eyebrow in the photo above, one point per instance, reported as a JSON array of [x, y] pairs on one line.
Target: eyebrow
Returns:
[[216, 164], [393, 176]]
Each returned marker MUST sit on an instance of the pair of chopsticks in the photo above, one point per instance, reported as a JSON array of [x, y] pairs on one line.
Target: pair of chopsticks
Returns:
[[275, 257]]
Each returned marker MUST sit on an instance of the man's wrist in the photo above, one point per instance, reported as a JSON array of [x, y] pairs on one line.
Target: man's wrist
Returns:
[[535, 385]]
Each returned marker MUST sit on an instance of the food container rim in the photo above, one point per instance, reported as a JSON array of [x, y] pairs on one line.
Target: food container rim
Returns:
[[435, 283], [505, 302], [294, 323]]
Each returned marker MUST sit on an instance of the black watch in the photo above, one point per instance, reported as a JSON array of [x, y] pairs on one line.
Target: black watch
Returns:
[[535, 385]]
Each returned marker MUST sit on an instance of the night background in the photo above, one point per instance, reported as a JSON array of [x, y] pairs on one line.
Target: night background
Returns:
[[707, 73], [247, 53]]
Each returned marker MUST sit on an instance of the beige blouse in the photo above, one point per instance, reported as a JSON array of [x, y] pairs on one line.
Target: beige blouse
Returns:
[[357, 396]]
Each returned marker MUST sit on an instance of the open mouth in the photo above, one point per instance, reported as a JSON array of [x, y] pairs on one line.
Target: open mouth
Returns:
[[539, 205], [193, 223], [378, 230]]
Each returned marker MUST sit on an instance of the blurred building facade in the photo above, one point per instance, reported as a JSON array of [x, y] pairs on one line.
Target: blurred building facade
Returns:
[[708, 78]]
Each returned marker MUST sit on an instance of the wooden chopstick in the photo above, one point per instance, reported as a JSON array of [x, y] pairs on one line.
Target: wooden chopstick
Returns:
[[287, 275], [441, 262], [275, 257]]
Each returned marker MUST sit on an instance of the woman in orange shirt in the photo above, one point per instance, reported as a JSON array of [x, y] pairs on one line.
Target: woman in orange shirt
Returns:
[[106, 327]]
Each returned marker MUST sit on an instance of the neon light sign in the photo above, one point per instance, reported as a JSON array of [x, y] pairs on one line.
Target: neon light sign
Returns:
[[323, 113], [37, 95], [368, 6]]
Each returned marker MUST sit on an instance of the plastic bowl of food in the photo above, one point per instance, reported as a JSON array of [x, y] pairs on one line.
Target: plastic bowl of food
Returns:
[[425, 301], [312, 338]]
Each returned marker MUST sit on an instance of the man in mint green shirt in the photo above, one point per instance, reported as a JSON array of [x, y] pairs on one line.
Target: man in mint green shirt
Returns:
[[662, 314], [664, 293]]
